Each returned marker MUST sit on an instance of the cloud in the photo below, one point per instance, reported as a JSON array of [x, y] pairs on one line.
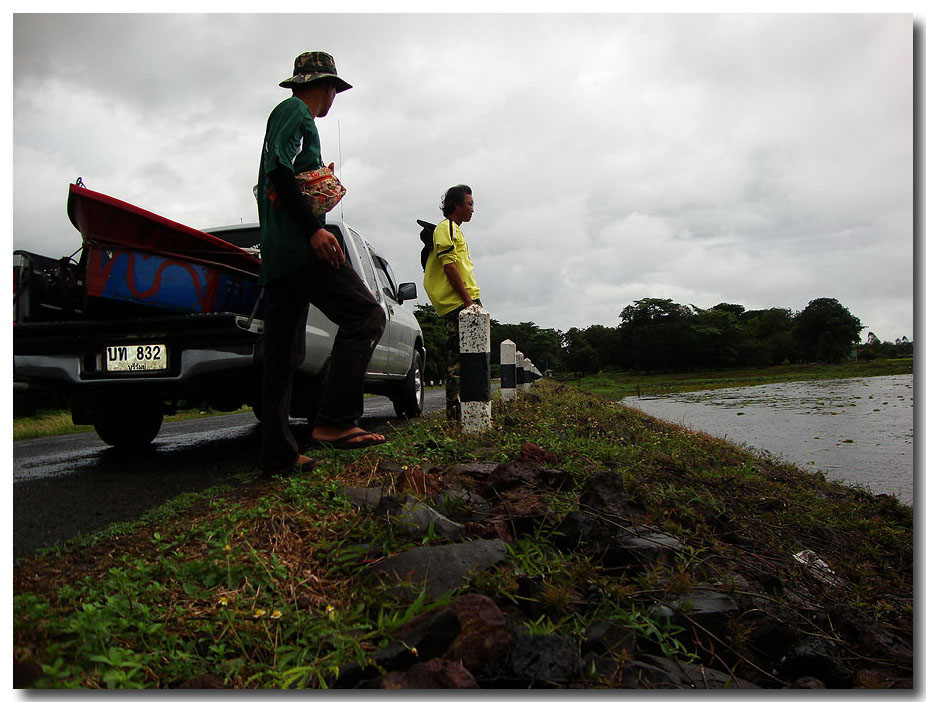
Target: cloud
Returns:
[[761, 159]]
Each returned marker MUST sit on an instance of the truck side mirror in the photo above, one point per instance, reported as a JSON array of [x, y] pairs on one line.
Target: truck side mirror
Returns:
[[407, 291]]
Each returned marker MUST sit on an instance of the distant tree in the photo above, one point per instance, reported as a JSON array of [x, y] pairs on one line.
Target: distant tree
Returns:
[[718, 337], [581, 357], [769, 337], [827, 331], [544, 347], [435, 342], [656, 334]]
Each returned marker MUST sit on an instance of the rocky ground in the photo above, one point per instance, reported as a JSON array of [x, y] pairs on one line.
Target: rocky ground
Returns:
[[578, 544]]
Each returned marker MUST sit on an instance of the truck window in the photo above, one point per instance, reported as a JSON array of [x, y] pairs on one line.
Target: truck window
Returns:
[[368, 276], [385, 282]]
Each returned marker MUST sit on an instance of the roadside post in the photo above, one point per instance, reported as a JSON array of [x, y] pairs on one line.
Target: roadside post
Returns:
[[509, 370], [520, 371], [475, 378], [528, 376]]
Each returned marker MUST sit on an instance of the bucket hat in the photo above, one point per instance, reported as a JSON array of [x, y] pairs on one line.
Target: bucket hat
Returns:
[[314, 65]]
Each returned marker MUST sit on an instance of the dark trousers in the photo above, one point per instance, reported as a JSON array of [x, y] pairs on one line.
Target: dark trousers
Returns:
[[346, 301]]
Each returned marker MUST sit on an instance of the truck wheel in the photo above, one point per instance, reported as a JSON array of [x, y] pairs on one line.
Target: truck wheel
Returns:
[[130, 425], [408, 401]]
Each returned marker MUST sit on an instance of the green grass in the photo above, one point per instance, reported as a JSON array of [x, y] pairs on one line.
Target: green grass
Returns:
[[58, 422], [618, 385], [263, 587]]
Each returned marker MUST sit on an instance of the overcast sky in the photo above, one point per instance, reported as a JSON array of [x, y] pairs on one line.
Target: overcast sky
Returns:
[[763, 160]]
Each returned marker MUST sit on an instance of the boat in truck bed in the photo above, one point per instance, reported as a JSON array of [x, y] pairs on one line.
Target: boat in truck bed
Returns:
[[155, 315]]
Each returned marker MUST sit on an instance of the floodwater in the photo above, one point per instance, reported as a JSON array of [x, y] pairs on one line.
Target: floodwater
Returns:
[[858, 431]]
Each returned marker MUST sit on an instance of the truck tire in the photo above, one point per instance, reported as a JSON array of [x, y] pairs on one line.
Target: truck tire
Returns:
[[408, 400], [133, 425]]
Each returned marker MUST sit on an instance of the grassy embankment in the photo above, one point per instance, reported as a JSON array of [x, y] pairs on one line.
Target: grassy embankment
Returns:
[[613, 385], [618, 385], [264, 587]]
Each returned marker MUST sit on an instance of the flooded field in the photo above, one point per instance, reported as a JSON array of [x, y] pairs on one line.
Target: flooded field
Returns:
[[858, 431]]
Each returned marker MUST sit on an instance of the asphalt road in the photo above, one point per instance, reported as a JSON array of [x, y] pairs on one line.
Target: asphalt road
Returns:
[[74, 484]]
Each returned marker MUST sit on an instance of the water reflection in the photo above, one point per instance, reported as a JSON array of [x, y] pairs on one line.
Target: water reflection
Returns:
[[858, 431]]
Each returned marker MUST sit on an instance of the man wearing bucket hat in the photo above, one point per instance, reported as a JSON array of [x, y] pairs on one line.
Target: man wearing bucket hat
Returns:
[[302, 263]]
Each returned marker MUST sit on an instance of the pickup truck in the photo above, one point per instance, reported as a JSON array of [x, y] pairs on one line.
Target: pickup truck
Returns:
[[155, 316]]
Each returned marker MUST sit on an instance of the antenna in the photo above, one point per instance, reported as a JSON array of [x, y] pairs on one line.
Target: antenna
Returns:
[[340, 167]]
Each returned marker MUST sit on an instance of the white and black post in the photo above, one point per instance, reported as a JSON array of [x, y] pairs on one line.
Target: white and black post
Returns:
[[509, 370], [475, 378], [520, 371]]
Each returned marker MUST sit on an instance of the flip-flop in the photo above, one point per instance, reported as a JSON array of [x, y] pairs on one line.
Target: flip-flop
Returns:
[[346, 443]]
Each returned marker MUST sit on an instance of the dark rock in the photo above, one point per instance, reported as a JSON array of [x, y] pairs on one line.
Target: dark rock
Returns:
[[390, 467], [513, 474], [206, 681], [545, 659], [463, 505], [532, 453], [417, 519], [807, 683], [819, 658], [496, 528], [415, 480], [483, 637], [703, 605], [608, 637], [690, 675], [441, 568], [426, 637], [478, 471], [363, 496], [863, 629], [643, 546], [580, 529], [523, 509], [604, 495], [436, 674]]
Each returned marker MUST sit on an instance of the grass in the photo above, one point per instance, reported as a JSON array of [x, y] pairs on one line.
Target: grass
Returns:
[[47, 423], [618, 385], [264, 587]]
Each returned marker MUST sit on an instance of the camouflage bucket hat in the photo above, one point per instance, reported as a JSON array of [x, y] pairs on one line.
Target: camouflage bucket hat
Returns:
[[313, 65]]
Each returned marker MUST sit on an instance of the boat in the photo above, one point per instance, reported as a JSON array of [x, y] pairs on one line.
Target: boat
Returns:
[[135, 257]]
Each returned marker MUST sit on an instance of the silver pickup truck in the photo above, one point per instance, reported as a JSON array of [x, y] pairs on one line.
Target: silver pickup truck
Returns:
[[67, 340]]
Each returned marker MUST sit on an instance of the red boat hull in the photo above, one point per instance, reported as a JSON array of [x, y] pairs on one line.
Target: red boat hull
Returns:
[[135, 257], [101, 219]]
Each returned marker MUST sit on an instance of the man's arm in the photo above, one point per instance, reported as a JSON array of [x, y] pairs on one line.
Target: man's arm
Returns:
[[324, 243], [456, 282]]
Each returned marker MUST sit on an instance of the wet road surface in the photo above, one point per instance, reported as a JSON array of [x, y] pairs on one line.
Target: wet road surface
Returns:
[[66, 485]]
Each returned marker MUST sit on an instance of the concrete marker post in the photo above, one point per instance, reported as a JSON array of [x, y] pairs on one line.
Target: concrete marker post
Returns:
[[509, 361], [475, 378], [519, 359], [528, 378]]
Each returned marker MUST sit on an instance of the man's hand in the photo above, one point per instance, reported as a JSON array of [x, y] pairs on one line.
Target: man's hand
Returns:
[[326, 248]]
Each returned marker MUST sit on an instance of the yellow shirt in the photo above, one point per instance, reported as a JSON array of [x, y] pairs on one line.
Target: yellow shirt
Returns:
[[448, 249]]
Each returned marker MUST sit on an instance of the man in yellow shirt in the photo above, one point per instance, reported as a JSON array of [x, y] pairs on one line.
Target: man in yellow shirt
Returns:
[[449, 281]]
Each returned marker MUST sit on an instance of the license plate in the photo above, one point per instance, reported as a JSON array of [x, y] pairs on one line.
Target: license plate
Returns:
[[136, 358]]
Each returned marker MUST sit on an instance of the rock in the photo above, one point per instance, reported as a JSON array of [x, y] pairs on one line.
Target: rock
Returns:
[[496, 528], [520, 473], [807, 683], [545, 659], [532, 453], [580, 529], [441, 568], [436, 674], [206, 681], [363, 496], [426, 637], [819, 658], [415, 480], [703, 605], [522, 508], [417, 519], [604, 495], [608, 637], [390, 467], [25, 674], [478, 471], [643, 546], [463, 505], [483, 637], [690, 675]]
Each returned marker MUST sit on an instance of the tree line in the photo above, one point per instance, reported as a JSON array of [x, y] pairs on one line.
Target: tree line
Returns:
[[659, 335]]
